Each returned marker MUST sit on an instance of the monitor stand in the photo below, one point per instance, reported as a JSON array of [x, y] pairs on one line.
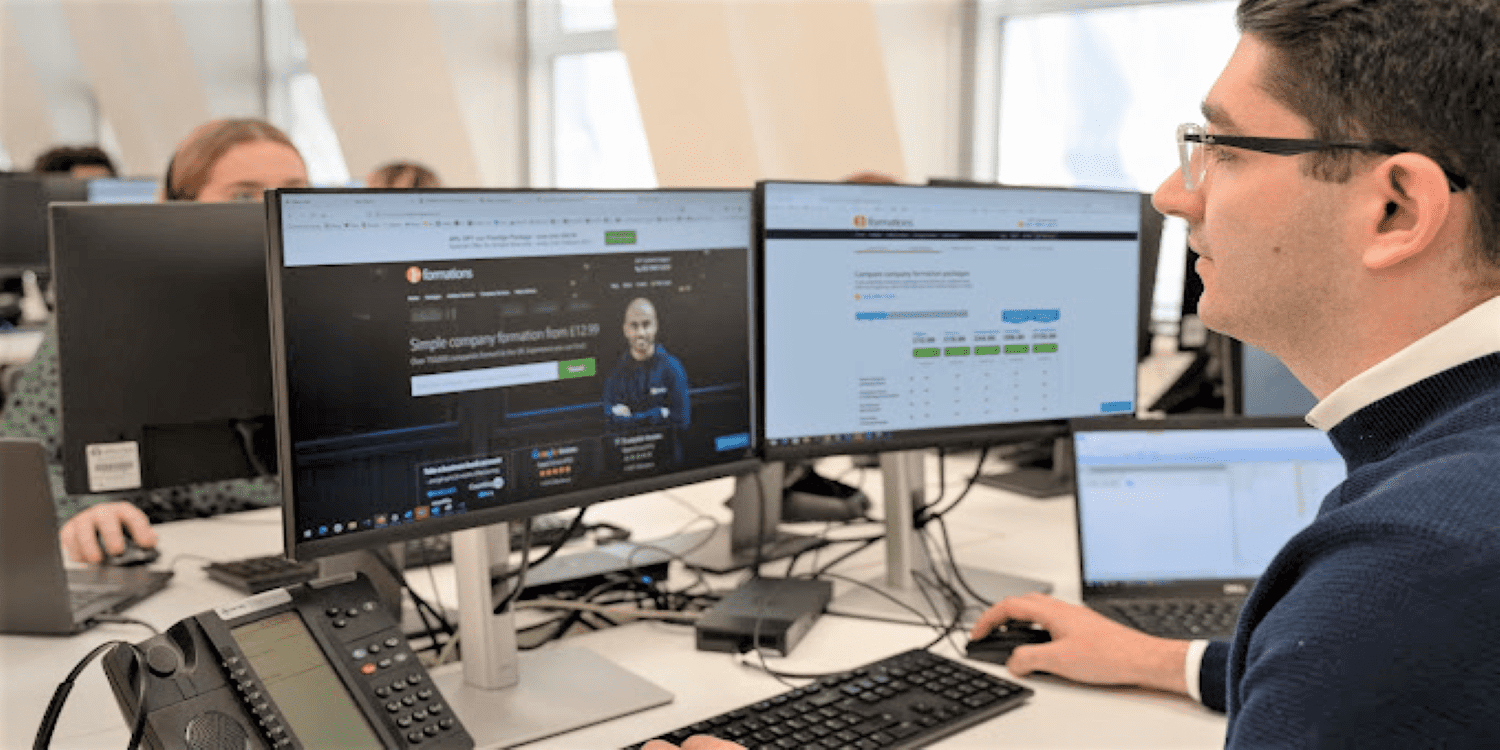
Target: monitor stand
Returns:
[[506, 698], [907, 559], [752, 534]]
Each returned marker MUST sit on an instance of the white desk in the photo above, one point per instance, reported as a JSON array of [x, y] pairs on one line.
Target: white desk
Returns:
[[991, 529]]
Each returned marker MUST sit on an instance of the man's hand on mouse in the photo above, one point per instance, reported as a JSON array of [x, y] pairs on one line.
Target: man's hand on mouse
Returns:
[[1087, 646], [109, 521]]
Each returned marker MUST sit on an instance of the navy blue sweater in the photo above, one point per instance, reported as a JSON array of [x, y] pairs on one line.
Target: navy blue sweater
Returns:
[[1379, 624]]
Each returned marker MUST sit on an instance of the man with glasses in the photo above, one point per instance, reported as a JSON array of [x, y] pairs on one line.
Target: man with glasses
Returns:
[[1343, 198]]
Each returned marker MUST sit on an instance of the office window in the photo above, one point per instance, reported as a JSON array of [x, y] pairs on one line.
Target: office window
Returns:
[[583, 104], [1091, 98], [597, 133], [578, 16], [295, 100]]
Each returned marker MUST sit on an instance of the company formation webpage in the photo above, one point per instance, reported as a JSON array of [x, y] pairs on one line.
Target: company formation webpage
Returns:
[[892, 309], [453, 352]]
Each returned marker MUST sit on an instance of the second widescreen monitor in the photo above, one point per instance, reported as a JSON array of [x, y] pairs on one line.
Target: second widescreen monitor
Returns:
[[912, 316]]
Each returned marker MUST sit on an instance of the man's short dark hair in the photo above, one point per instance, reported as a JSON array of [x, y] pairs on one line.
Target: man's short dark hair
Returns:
[[62, 159], [1421, 74]]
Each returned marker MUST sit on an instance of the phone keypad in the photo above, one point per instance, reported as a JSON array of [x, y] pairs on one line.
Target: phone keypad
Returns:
[[393, 676], [416, 708]]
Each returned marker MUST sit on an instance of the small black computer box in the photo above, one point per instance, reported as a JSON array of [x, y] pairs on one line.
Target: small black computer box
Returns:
[[774, 612], [607, 563]]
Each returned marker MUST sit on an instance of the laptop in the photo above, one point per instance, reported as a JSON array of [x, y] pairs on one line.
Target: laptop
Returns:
[[38, 595], [1178, 517]]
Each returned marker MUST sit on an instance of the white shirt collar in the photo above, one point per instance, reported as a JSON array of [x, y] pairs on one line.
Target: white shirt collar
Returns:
[[1469, 336]]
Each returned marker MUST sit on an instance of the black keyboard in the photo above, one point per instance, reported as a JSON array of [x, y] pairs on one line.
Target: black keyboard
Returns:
[[905, 701], [1181, 618], [253, 575]]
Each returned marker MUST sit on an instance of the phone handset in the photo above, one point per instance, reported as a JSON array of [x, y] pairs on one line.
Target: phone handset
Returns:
[[309, 666]]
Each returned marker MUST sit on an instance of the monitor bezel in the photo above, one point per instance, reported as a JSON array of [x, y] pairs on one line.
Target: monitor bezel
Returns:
[[300, 549], [957, 438]]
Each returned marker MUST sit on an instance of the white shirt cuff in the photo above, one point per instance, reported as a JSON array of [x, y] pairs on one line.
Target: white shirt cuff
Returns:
[[1194, 667]]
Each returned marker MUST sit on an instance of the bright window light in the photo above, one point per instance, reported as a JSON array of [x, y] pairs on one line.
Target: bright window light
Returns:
[[598, 139], [1092, 99]]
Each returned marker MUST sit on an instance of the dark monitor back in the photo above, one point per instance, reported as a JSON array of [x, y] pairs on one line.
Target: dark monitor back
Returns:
[[1191, 333], [164, 344], [23, 217]]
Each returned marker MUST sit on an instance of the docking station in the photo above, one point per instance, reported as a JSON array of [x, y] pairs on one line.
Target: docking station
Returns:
[[774, 612]]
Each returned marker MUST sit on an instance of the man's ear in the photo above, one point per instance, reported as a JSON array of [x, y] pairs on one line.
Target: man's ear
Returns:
[[1408, 204]]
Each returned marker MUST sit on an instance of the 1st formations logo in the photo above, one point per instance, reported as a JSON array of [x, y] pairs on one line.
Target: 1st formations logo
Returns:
[[864, 222], [417, 274]]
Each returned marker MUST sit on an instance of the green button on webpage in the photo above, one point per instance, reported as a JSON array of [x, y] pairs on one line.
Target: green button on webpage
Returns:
[[620, 237], [575, 368], [956, 351], [1016, 348], [1045, 348], [986, 350], [933, 352]]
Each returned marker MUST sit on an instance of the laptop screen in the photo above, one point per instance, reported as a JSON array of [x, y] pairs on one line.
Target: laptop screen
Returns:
[[1192, 504]]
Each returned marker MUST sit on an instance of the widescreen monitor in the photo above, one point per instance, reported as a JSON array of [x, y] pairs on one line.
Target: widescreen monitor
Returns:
[[902, 317], [163, 344], [23, 218], [449, 359], [122, 190]]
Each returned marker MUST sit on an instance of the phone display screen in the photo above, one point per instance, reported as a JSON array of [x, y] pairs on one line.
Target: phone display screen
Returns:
[[298, 677]]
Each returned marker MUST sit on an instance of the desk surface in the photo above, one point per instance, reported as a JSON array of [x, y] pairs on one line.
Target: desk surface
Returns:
[[991, 529]]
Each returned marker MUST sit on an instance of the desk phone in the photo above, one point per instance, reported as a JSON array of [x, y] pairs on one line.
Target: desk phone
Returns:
[[316, 665]]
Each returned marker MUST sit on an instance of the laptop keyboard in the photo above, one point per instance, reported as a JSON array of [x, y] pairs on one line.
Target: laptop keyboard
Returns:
[[1181, 618], [904, 701]]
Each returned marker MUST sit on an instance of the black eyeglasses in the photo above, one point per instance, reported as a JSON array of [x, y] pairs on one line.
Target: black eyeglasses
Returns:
[[1191, 139]]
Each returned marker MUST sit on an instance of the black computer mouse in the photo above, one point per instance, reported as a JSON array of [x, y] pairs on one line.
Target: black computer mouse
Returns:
[[134, 554], [997, 646]]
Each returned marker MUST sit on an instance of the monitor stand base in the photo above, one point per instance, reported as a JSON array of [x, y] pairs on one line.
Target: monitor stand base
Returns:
[[559, 690]]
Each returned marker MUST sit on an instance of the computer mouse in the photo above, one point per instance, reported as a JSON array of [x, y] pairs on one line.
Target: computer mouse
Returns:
[[134, 554], [997, 646]]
